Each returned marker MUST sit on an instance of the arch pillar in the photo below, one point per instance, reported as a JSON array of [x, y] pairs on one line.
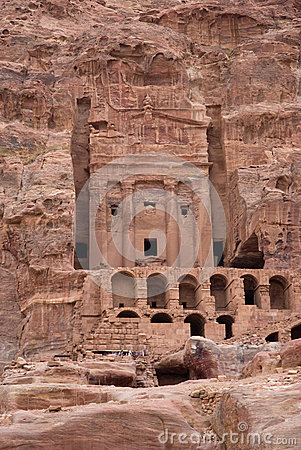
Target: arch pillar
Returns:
[[238, 294], [199, 295], [173, 295], [141, 292], [263, 290], [207, 301], [295, 296]]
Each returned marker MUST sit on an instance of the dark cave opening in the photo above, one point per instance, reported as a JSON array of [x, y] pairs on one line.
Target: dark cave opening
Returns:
[[296, 332], [249, 256], [272, 337], [166, 378]]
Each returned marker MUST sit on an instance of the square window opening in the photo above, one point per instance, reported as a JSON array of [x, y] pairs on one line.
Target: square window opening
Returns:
[[184, 210], [150, 247]]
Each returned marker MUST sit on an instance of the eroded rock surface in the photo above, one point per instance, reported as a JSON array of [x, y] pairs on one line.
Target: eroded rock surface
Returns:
[[288, 356], [269, 413], [40, 415], [75, 78], [88, 372]]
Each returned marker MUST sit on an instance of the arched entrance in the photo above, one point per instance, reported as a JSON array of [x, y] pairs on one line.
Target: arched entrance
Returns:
[[296, 332], [187, 287], [197, 324], [218, 284], [250, 285], [156, 291], [161, 318], [128, 314], [228, 322], [123, 290], [272, 337], [249, 256], [278, 293]]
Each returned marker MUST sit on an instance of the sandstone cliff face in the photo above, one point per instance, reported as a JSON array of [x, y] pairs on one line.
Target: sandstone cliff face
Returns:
[[68, 67]]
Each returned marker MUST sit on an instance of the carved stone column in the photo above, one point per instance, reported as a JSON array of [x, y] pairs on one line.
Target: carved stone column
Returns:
[[264, 295], [101, 230], [203, 219], [238, 293], [172, 235], [128, 228], [97, 226], [141, 292]]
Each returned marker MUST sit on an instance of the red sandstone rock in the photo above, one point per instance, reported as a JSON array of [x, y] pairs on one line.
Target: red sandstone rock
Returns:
[[263, 362], [291, 354], [201, 357], [100, 373], [171, 369], [173, 362], [271, 412], [82, 82], [104, 426], [42, 373], [41, 396], [118, 374]]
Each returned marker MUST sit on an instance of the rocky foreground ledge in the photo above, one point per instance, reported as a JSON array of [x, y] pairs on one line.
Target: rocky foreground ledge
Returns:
[[70, 405]]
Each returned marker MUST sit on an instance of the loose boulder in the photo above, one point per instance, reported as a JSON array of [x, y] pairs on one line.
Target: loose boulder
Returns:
[[291, 354], [201, 357]]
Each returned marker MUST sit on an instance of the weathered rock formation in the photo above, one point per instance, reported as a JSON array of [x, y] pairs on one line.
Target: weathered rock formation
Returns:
[[82, 83], [89, 372], [261, 416], [76, 79], [45, 410], [202, 359], [288, 356]]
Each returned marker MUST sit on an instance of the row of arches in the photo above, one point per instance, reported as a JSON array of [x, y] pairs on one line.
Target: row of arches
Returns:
[[124, 291], [278, 292], [196, 321], [124, 287], [197, 324]]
